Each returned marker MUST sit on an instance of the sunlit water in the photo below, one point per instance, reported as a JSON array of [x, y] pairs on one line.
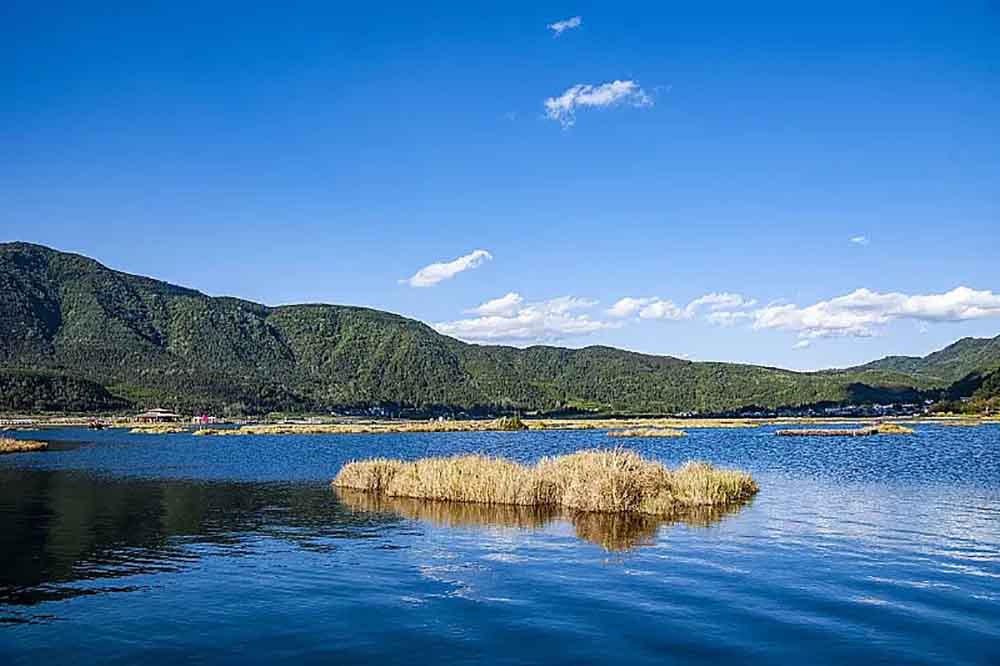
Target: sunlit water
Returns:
[[119, 548]]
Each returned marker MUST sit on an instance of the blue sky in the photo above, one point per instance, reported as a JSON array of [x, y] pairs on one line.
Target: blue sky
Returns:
[[327, 152]]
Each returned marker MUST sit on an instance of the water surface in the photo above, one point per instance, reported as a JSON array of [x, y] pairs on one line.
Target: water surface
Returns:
[[124, 547]]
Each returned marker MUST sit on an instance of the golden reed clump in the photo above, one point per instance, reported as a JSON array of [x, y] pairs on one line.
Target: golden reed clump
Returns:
[[9, 445], [613, 481], [612, 531]]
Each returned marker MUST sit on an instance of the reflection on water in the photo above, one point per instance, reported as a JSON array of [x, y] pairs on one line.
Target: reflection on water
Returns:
[[130, 548], [63, 532], [611, 531]]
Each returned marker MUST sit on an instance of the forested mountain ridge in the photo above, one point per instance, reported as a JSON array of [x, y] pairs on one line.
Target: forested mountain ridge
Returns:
[[153, 343], [950, 364]]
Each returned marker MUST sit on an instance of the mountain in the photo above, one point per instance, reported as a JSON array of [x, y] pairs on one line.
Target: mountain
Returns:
[[967, 356], [67, 321]]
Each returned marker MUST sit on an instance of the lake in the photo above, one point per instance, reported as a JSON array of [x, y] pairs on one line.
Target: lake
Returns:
[[120, 548]]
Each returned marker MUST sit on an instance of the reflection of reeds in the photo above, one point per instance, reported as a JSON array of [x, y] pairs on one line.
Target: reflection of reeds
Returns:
[[611, 531], [8, 445], [450, 514], [616, 531], [612, 481]]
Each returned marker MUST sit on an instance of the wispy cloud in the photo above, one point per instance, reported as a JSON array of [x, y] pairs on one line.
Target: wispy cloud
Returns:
[[802, 344], [863, 312], [563, 108], [717, 301], [504, 306], [510, 319], [645, 307], [428, 276], [861, 240], [651, 307], [559, 27]]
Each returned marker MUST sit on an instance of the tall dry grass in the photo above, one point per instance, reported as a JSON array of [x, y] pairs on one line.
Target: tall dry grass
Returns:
[[611, 531], [612, 481], [9, 445]]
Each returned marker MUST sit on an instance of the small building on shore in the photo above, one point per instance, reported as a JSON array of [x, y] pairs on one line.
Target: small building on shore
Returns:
[[158, 416]]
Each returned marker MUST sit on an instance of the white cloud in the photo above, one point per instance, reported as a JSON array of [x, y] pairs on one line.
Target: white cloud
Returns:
[[727, 318], [559, 27], [563, 108], [428, 276], [863, 312], [510, 319], [802, 344], [719, 304], [646, 308], [861, 240], [663, 310], [717, 301], [505, 305], [628, 306]]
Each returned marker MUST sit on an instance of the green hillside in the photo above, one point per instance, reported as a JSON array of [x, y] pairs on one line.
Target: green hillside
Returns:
[[152, 343], [950, 364]]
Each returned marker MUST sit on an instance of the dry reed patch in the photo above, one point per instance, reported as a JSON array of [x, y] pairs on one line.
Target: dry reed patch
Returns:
[[611, 531], [638, 423], [157, 429], [502, 424], [892, 429], [612, 481], [9, 445]]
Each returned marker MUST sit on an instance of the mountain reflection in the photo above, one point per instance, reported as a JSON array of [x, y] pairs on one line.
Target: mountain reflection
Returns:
[[611, 531], [62, 533]]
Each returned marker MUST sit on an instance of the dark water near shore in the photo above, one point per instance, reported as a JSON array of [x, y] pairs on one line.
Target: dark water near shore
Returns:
[[119, 548]]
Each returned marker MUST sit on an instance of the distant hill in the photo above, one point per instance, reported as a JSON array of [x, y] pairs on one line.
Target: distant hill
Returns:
[[146, 342], [950, 364]]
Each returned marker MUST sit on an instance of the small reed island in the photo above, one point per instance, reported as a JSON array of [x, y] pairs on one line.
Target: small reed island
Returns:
[[615, 532], [881, 429], [611, 481], [9, 445]]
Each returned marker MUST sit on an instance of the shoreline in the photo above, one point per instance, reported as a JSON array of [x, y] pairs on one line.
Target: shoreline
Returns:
[[350, 425]]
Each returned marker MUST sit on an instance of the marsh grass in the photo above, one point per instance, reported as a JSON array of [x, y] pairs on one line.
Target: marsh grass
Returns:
[[607, 481], [878, 429], [612, 531], [502, 424], [638, 423], [157, 429], [9, 445], [892, 429]]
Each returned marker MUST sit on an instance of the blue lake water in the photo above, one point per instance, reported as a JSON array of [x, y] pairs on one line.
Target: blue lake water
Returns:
[[121, 548]]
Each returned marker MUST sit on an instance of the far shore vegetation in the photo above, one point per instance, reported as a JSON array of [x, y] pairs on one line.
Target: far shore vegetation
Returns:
[[338, 425], [610, 481]]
